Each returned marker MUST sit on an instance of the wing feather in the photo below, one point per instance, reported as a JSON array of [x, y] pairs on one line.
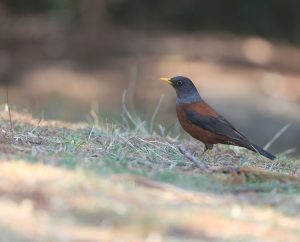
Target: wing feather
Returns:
[[215, 124]]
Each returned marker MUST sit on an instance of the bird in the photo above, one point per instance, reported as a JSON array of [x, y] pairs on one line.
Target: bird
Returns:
[[203, 123]]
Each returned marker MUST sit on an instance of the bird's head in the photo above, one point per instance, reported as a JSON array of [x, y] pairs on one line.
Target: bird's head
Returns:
[[185, 89]]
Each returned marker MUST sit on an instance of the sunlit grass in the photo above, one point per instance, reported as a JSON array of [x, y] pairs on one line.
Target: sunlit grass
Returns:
[[115, 181], [110, 149]]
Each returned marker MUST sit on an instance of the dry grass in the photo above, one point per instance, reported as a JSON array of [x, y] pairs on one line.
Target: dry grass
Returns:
[[70, 182]]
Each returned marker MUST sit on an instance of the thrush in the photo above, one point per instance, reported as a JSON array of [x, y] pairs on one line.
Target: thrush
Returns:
[[204, 123]]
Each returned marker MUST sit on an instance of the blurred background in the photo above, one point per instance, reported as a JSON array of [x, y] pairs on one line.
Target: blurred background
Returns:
[[62, 57]]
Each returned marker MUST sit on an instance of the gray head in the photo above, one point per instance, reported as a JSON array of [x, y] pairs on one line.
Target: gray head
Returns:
[[185, 89]]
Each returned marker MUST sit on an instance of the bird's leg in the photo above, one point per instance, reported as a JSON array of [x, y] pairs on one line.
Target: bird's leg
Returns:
[[207, 150], [203, 153]]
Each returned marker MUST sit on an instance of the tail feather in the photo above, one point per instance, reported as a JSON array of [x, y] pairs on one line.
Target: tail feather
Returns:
[[263, 152]]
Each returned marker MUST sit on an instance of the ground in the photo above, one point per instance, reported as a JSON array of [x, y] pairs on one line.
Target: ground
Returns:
[[124, 182]]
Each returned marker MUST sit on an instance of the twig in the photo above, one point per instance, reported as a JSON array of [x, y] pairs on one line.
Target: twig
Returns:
[[155, 141], [9, 113], [140, 125], [94, 113], [128, 142], [126, 110], [133, 78], [276, 136], [91, 132], [125, 120], [155, 112], [200, 164], [239, 190], [38, 123], [288, 151]]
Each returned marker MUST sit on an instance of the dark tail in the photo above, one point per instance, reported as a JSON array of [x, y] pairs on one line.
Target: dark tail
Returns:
[[263, 152]]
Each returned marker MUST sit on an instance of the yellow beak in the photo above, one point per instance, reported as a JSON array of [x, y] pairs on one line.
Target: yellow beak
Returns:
[[166, 79]]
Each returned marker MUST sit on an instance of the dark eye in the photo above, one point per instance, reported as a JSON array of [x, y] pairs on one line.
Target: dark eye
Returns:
[[179, 83]]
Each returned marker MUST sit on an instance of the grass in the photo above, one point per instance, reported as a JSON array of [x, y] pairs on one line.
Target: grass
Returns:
[[81, 182]]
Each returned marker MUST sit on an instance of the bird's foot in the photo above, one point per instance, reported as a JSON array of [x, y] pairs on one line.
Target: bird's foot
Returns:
[[206, 155], [209, 154]]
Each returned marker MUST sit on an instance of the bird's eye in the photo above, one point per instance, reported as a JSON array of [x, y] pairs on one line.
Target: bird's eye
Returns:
[[179, 83]]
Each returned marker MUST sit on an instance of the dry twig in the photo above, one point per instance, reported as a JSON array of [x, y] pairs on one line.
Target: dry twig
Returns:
[[200, 164]]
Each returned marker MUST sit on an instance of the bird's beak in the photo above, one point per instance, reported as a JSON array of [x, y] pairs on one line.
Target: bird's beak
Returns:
[[166, 79]]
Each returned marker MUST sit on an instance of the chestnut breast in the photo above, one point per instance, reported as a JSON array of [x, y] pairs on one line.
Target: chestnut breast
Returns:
[[195, 131]]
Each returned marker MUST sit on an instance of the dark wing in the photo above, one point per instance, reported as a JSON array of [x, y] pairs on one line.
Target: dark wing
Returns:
[[208, 119], [218, 125]]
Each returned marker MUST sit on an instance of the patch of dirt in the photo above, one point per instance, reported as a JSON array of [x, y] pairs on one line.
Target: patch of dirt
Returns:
[[80, 207]]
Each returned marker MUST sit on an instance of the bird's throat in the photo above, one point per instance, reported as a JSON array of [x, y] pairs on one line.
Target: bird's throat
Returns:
[[183, 98]]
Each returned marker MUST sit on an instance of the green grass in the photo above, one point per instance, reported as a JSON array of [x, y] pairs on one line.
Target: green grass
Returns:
[[119, 168], [113, 149]]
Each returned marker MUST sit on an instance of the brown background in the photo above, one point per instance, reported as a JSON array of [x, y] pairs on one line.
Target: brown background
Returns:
[[62, 59]]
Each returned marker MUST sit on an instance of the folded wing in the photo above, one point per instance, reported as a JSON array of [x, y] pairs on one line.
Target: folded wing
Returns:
[[215, 123]]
